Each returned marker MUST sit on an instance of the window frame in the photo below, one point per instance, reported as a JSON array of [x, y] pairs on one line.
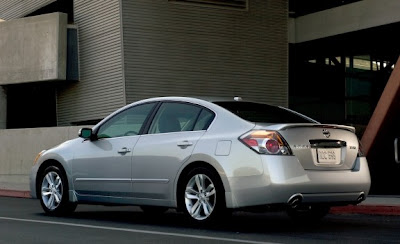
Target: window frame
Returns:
[[145, 122], [155, 112]]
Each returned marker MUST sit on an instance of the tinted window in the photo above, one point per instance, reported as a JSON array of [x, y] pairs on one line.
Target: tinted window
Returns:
[[257, 112], [173, 117], [204, 120], [126, 123]]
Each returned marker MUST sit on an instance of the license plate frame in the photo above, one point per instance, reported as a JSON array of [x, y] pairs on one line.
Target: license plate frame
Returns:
[[328, 155]]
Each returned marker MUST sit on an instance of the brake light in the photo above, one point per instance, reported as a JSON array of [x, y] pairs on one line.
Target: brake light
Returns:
[[272, 146], [266, 142]]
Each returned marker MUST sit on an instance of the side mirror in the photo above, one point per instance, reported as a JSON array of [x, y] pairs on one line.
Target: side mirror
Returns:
[[86, 133], [397, 150]]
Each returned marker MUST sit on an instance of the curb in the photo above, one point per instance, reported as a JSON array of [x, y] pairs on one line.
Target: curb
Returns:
[[14, 193], [367, 209]]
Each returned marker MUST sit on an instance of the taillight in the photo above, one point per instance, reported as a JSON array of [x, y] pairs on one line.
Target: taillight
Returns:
[[266, 142]]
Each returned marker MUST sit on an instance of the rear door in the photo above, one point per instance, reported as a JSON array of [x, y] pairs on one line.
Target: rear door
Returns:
[[170, 141]]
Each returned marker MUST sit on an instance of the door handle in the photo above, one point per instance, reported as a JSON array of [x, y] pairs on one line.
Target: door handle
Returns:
[[124, 150], [184, 144]]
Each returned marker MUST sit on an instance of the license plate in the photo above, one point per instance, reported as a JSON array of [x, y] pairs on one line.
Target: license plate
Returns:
[[328, 155]]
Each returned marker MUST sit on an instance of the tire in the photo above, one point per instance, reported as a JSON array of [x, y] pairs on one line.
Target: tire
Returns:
[[308, 214], [154, 210], [201, 196], [53, 192]]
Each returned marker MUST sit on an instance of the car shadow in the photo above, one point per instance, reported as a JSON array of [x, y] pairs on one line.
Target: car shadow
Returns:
[[240, 222]]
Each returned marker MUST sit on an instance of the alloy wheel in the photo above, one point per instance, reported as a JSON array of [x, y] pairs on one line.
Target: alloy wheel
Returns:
[[200, 197], [52, 190]]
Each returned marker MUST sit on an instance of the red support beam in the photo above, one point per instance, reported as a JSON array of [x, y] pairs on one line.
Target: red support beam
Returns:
[[385, 108]]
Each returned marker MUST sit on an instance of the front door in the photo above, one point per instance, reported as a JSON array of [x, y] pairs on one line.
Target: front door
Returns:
[[103, 167]]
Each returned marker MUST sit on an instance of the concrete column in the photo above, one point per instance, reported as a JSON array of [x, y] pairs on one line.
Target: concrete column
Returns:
[[3, 108]]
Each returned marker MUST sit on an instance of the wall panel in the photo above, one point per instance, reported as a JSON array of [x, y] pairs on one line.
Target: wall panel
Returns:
[[191, 50]]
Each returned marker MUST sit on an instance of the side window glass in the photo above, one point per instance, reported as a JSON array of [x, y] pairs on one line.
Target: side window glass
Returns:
[[126, 123], [173, 117], [204, 120]]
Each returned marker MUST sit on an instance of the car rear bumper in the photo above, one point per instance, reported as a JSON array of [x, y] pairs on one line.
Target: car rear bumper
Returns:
[[284, 177]]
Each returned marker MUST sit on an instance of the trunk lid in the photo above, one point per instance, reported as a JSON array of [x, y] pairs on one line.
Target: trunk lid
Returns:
[[319, 146]]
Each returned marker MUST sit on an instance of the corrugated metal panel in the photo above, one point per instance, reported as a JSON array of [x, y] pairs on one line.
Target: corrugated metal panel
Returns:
[[13, 9], [190, 50], [101, 86], [240, 4]]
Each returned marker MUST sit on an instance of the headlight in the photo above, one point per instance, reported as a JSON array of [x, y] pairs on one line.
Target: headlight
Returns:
[[38, 156]]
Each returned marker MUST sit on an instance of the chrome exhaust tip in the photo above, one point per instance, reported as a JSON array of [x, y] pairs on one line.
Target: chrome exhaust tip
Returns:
[[295, 200], [360, 198]]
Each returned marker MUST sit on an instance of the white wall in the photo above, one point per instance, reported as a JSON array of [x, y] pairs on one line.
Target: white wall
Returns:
[[18, 149]]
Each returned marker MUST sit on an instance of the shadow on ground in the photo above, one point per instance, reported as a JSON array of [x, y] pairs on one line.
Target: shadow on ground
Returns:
[[240, 222]]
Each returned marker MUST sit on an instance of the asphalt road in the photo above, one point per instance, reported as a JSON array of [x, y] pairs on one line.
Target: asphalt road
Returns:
[[23, 221]]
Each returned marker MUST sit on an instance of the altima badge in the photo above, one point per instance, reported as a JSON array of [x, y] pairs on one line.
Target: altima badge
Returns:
[[326, 133]]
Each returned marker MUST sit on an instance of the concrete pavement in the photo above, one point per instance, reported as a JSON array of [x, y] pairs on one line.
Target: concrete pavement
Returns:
[[374, 204]]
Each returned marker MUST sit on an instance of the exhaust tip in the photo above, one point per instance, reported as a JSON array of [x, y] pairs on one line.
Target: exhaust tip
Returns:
[[360, 198], [295, 200]]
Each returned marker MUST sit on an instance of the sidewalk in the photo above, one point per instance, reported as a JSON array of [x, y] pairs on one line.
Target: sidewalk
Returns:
[[374, 204], [14, 193]]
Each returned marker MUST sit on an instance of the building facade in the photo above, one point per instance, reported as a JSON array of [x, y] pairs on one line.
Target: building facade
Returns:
[[72, 62], [344, 69], [130, 50]]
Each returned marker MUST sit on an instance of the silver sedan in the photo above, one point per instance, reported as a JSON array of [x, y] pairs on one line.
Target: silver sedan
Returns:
[[206, 159]]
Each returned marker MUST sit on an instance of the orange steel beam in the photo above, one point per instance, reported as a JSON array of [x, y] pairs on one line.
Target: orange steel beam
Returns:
[[383, 110]]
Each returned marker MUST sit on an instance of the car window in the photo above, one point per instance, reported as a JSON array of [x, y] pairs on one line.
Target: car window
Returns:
[[127, 123], [258, 112], [204, 120], [173, 117]]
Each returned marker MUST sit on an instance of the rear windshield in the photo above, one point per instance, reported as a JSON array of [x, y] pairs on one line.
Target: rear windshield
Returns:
[[262, 113]]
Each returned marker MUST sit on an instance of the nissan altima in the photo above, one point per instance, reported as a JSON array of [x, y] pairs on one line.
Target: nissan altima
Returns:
[[204, 158]]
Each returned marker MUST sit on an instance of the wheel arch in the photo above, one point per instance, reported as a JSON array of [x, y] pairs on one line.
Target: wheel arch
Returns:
[[42, 168], [191, 166]]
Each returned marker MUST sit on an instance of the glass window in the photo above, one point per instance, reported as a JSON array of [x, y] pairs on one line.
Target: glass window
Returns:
[[204, 120], [258, 112], [173, 117], [127, 123]]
